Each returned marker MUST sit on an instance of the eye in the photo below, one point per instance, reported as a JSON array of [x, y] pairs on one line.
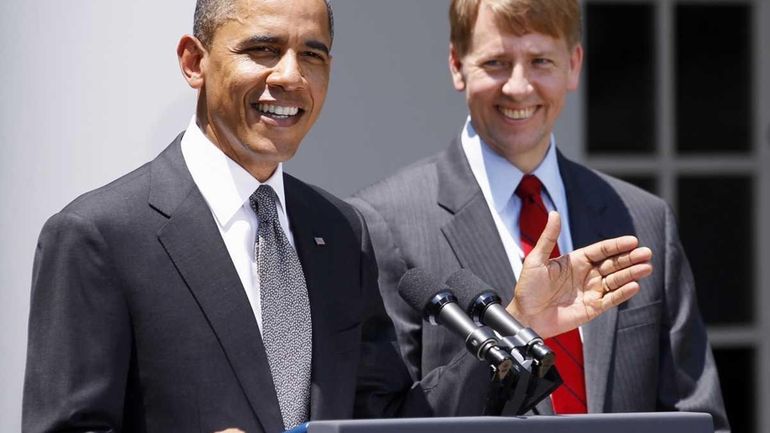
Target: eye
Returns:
[[314, 57], [262, 51], [494, 64], [542, 61]]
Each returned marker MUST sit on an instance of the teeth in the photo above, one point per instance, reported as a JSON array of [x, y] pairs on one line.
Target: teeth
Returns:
[[520, 114], [278, 110]]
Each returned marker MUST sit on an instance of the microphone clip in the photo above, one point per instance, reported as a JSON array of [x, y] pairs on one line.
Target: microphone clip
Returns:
[[525, 341]]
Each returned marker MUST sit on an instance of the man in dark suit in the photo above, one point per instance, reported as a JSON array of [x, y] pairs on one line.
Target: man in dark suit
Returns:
[[208, 289], [472, 206]]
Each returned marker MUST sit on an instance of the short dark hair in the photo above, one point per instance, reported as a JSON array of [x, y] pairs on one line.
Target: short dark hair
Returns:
[[210, 14]]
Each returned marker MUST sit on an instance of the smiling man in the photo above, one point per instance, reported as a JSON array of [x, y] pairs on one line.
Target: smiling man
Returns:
[[481, 204], [209, 290], [263, 76]]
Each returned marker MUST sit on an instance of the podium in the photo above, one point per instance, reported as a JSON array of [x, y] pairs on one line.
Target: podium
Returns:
[[657, 422]]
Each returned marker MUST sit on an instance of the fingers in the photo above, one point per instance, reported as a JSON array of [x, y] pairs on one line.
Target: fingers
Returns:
[[616, 280], [622, 261], [547, 241], [620, 295], [610, 247]]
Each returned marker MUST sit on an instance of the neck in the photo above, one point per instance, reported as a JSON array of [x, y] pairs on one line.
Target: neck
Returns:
[[529, 161], [260, 170]]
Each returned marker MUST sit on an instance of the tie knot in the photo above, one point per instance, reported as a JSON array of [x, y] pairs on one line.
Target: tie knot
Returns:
[[263, 203], [529, 186]]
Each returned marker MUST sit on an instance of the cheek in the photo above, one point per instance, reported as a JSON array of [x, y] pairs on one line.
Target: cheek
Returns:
[[243, 76], [318, 82], [483, 86], [480, 94], [554, 92]]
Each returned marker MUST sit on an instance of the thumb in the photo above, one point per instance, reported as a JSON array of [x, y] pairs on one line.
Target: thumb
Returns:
[[547, 241]]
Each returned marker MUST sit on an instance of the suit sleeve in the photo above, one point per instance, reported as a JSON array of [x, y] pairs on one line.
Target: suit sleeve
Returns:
[[688, 375], [391, 266], [79, 339], [444, 391]]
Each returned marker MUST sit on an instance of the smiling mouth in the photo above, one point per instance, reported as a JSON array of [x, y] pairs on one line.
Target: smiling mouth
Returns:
[[277, 111], [518, 114]]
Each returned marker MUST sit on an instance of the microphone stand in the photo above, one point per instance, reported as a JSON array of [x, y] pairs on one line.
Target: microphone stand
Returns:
[[527, 383]]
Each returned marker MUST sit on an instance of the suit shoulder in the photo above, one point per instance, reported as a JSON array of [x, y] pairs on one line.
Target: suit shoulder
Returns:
[[323, 203], [648, 212], [119, 196], [620, 200], [412, 184], [603, 183], [633, 196], [96, 214]]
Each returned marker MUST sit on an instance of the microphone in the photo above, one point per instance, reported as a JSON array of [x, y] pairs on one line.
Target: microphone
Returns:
[[425, 293], [484, 306]]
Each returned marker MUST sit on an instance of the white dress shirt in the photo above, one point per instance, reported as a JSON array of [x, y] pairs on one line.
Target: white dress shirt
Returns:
[[226, 187], [498, 179]]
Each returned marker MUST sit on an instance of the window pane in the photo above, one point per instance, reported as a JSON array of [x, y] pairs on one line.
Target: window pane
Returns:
[[737, 374], [620, 80], [715, 215], [713, 78]]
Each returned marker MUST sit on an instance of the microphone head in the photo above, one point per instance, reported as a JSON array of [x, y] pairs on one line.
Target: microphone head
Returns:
[[469, 288], [424, 292]]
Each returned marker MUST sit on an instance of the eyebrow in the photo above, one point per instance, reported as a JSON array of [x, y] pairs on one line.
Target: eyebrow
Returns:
[[317, 45], [258, 39], [268, 39], [538, 52]]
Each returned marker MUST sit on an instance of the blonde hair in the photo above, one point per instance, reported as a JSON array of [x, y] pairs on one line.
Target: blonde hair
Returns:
[[555, 18]]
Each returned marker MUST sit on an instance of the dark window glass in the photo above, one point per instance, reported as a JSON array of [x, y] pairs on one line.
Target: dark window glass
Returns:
[[737, 375], [715, 215], [620, 80], [713, 78]]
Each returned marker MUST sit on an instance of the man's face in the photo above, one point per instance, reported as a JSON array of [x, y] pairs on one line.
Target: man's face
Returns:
[[515, 87], [264, 80]]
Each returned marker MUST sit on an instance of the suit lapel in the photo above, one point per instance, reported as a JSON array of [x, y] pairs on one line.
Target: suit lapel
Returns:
[[471, 231], [596, 213], [318, 266], [194, 244]]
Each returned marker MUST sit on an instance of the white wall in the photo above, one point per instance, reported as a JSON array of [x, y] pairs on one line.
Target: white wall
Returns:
[[91, 89]]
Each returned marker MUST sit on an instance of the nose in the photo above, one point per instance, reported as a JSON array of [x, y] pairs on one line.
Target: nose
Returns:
[[287, 73], [518, 84]]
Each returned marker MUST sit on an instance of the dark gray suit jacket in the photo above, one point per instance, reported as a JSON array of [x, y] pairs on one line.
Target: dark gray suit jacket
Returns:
[[139, 321], [649, 354]]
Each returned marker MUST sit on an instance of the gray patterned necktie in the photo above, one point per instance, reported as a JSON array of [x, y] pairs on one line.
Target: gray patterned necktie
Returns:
[[286, 325]]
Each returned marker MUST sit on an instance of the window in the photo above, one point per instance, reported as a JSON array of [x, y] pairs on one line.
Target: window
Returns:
[[676, 101]]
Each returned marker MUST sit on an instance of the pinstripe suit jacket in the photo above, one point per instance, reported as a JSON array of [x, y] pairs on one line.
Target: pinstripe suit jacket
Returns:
[[649, 354]]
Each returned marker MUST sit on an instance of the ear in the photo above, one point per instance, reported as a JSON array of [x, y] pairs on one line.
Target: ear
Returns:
[[456, 69], [575, 64], [192, 60]]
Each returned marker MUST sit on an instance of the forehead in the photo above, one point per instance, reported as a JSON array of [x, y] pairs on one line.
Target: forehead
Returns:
[[279, 17], [489, 33]]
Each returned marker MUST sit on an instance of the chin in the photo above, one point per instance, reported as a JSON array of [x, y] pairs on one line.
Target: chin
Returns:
[[275, 154]]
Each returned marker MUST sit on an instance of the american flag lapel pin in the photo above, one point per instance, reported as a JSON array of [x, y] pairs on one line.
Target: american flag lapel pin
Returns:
[[319, 241]]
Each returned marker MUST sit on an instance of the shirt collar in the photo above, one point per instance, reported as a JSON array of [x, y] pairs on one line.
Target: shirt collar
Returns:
[[225, 185], [499, 178]]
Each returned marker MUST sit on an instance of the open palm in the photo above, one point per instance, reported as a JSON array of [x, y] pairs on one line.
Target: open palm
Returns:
[[553, 296]]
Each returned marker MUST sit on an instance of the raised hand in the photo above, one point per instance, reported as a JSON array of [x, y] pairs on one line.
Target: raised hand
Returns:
[[553, 296]]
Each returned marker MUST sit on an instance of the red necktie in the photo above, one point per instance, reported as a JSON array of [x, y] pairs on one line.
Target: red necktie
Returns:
[[571, 396]]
